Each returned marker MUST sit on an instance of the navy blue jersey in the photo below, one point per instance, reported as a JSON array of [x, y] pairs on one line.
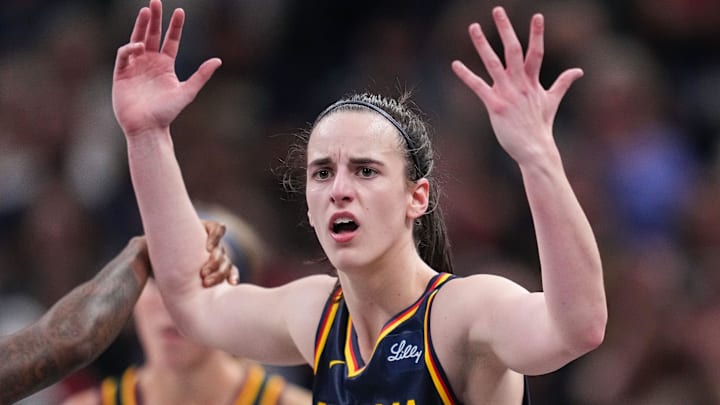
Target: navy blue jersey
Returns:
[[403, 370]]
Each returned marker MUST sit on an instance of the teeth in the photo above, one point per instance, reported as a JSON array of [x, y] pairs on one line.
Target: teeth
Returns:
[[342, 221]]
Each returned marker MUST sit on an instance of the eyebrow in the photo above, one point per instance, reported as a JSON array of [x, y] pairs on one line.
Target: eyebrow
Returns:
[[353, 161], [320, 162], [366, 161]]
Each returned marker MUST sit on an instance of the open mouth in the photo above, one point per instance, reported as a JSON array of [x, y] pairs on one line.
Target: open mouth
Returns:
[[343, 225]]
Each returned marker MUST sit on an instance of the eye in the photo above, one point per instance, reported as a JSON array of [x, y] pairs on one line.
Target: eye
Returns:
[[321, 174], [367, 172]]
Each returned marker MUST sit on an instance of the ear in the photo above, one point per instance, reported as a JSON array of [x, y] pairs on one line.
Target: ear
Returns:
[[310, 220], [419, 198]]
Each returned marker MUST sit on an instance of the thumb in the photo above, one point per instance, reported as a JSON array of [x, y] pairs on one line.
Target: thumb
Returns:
[[564, 81], [201, 76]]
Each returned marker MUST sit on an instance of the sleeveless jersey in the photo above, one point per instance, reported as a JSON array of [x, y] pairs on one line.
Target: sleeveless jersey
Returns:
[[404, 368], [259, 388]]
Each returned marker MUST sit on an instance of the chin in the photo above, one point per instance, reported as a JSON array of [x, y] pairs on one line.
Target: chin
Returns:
[[348, 261]]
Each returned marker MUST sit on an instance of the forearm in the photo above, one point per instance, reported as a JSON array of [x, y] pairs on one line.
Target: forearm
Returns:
[[73, 332], [176, 237], [569, 257]]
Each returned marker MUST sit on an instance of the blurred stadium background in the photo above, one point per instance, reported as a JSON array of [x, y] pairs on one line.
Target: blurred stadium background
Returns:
[[639, 137]]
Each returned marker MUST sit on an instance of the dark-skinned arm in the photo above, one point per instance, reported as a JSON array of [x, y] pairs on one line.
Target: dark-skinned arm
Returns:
[[77, 329]]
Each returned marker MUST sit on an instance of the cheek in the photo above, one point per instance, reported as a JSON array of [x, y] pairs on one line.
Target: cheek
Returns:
[[313, 200]]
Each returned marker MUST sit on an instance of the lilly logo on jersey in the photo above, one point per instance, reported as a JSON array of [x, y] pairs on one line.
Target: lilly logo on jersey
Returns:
[[403, 350]]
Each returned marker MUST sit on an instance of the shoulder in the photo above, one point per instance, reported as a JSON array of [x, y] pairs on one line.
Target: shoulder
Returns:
[[464, 313], [472, 302], [310, 290], [88, 397], [478, 288], [304, 300]]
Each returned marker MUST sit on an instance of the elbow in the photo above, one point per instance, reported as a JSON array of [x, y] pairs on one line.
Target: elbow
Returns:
[[591, 335], [594, 336], [597, 325]]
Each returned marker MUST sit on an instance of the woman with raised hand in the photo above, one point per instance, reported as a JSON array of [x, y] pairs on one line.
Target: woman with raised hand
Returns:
[[394, 325]]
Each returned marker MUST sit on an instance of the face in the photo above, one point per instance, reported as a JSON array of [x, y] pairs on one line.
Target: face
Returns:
[[162, 343], [359, 201]]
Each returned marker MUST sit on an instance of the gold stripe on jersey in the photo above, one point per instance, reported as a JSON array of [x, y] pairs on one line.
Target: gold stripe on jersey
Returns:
[[326, 325], [252, 385], [108, 391], [273, 388], [433, 368], [352, 358]]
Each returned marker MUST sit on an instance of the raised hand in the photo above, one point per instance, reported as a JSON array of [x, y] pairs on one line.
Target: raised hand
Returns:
[[147, 94], [521, 110]]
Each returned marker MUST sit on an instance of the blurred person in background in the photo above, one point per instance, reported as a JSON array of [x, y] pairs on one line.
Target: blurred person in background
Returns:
[[84, 322], [178, 370]]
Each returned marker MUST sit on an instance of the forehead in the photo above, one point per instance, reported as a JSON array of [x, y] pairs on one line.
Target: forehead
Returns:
[[354, 132]]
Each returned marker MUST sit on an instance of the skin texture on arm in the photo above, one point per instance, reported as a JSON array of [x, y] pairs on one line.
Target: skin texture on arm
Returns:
[[568, 318], [147, 97], [144, 79], [76, 329], [80, 326]]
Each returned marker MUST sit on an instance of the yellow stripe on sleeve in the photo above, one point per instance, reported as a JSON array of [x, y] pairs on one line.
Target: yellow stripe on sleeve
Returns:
[[108, 390], [273, 389]]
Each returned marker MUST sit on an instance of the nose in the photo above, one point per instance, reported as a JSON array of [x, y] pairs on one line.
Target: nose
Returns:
[[342, 189]]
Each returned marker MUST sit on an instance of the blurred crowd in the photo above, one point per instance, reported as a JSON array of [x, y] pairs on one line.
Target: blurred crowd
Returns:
[[638, 134]]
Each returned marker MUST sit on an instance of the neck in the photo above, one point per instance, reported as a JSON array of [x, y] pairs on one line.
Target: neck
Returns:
[[376, 295]]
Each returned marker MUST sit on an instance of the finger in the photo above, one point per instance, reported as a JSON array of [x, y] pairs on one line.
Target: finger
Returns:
[[225, 268], [563, 83], [124, 53], [202, 75], [154, 29], [215, 232], [473, 81], [225, 271], [234, 277], [206, 270], [213, 262], [141, 23], [511, 44], [492, 63], [536, 47], [173, 34], [212, 280]]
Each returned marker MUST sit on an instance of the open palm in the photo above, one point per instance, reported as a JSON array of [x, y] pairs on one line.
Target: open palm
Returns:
[[521, 111], [147, 94]]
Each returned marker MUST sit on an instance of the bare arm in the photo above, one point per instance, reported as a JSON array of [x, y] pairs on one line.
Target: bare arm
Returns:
[[248, 320], [76, 329], [568, 319]]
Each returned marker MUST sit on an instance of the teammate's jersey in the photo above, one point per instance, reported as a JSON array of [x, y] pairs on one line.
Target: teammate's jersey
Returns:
[[404, 369], [259, 388]]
